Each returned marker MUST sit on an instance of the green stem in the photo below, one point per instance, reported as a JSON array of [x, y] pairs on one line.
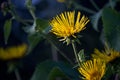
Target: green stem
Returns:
[[31, 8], [13, 12], [75, 52], [77, 6], [53, 44], [95, 5], [54, 53], [17, 74]]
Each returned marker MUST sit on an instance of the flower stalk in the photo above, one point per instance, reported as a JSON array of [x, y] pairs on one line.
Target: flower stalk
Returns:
[[75, 52], [17, 74]]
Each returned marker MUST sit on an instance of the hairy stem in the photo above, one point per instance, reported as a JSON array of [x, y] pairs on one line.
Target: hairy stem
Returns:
[[75, 52], [17, 74]]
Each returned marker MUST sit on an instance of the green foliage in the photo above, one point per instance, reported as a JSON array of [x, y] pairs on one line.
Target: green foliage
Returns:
[[109, 71], [95, 19], [56, 73], [81, 55], [111, 27], [42, 25], [7, 30], [38, 31], [49, 70], [34, 39]]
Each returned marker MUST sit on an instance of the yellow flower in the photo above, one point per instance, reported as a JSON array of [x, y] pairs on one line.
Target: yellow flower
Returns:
[[92, 69], [108, 55], [61, 1], [13, 52], [66, 24]]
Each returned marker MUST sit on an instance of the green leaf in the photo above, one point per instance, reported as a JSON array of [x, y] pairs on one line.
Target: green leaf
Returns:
[[42, 25], [49, 70], [81, 55], [68, 71], [11, 67], [43, 70], [109, 72], [34, 39], [56, 73], [29, 5], [111, 27], [95, 19], [29, 2], [7, 29]]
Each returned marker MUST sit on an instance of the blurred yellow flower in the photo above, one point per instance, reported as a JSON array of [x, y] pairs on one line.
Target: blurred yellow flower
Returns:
[[66, 24], [61, 1], [108, 55], [92, 69], [13, 52]]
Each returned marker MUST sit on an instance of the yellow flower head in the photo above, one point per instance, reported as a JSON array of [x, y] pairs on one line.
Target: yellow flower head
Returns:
[[108, 55], [66, 24], [61, 1], [92, 69], [13, 52]]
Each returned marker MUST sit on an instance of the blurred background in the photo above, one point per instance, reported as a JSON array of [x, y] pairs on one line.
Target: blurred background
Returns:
[[41, 48]]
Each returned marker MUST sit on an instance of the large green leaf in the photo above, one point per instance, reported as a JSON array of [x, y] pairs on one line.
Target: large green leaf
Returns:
[[34, 39], [95, 19], [7, 29], [56, 73], [49, 70], [42, 25], [37, 31], [111, 27], [69, 71]]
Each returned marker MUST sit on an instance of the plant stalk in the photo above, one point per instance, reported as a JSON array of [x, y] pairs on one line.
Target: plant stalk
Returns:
[[75, 52]]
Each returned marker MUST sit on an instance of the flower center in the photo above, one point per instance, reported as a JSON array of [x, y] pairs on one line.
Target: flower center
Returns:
[[95, 76]]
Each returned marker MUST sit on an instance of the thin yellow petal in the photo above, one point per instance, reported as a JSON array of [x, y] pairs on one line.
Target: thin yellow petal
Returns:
[[92, 69], [65, 25]]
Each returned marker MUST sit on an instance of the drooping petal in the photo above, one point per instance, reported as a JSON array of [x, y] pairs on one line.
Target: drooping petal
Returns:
[[108, 55]]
